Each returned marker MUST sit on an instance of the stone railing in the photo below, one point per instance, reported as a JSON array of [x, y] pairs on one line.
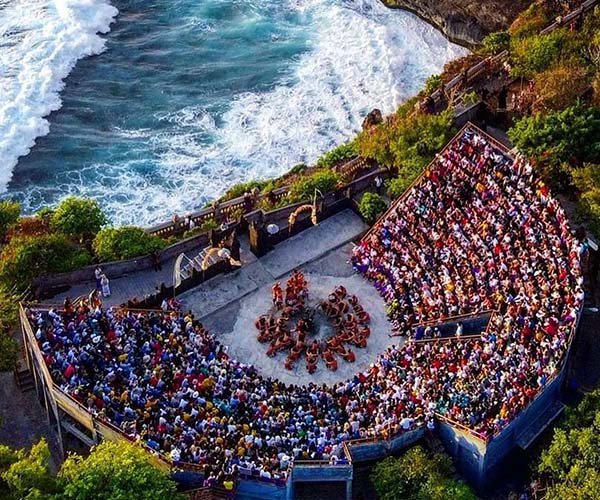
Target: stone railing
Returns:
[[243, 204], [575, 15]]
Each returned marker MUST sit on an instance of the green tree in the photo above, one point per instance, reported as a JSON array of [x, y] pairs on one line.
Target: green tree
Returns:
[[433, 83], [322, 181], [114, 471], [407, 141], [496, 42], [125, 242], [338, 155], [371, 206], [27, 257], [562, 85], [398, 185], [78, 217], [418, 475], [537, 53], [587, 180], [9, 214], [26, 474], [559, 137]]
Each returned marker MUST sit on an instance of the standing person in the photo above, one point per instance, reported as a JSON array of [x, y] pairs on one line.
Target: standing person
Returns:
[[105, 285], [156, 260], [98, 275], [378, 184]]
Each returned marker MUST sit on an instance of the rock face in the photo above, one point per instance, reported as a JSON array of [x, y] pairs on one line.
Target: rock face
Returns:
[[465, 22], [373, 118]]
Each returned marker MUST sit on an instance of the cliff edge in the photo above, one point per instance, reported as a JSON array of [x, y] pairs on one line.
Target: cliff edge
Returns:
[[465, 22]]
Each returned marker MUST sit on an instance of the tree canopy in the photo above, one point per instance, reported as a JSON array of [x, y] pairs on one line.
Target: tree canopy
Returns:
[[125, 243], [78, 217], [418, 475], [570, 467], [112, 471]]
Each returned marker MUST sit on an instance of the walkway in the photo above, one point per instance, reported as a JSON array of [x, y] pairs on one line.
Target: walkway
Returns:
[[332, 233]]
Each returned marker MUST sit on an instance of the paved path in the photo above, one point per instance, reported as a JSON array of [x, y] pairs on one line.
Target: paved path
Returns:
[[333, 233], [139, 284]]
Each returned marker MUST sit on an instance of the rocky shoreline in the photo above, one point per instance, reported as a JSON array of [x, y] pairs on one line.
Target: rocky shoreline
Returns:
[[465, 22]]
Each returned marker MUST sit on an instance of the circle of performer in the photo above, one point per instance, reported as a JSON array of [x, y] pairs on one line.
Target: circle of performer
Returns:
[[291, 323]]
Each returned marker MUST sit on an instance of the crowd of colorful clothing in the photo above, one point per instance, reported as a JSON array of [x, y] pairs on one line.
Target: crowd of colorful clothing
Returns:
[[478, 232]]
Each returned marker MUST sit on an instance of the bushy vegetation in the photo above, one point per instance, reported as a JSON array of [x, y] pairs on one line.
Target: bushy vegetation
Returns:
[[495, 43], [125, 243], [27, 257], [112, 471], [338, 155], [408, 142], [570, 467], [238, 190], [320, 182], [9, 214], [532, 55], [80, 218], [587, 181], [418, 475], [371, 206], [557, 139]]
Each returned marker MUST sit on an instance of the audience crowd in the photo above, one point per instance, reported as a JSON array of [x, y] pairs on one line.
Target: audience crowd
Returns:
[[479, 232]]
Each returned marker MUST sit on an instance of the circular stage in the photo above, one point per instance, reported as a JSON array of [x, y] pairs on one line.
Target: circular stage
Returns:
[[244, 346]]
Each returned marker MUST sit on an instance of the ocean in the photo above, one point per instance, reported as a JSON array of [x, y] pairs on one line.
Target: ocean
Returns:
[[182, 98]]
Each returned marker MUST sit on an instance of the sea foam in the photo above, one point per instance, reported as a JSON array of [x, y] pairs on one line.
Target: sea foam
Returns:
[[358, 55], [40, 43]]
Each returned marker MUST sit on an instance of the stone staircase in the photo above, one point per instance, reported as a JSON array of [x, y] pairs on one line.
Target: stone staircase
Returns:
[[24, 378]]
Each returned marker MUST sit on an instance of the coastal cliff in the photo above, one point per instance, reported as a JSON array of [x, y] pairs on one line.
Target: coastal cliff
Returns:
[[465, 22]]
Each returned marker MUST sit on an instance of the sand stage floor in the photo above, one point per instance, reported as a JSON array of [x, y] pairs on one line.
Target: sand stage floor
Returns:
[[229, 304], [244, 346]]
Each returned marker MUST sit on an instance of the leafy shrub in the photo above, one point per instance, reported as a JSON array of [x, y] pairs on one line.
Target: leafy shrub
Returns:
[[561, 86], [45, 213], [300, 168], [338, 155], [470, 98], [371, 205], [78, 217], [26, 474], [9, 214], [559, 137], [322, 180], [433, 83], [125, 242], [587, 180], [398, 185], [496, 42], [238, 190], [115, 470], [418, 474], [537, 53], [27, 257], [530, 22], [569, 466], [407, 141]]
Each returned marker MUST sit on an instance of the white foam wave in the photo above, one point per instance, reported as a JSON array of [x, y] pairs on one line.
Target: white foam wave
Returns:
[[40, 42], [362, 56]]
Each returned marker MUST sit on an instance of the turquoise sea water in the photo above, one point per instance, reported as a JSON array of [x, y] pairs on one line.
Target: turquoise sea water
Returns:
[[190, 96]]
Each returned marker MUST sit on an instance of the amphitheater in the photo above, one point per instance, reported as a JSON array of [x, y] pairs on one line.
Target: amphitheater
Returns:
[[473, 288]]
